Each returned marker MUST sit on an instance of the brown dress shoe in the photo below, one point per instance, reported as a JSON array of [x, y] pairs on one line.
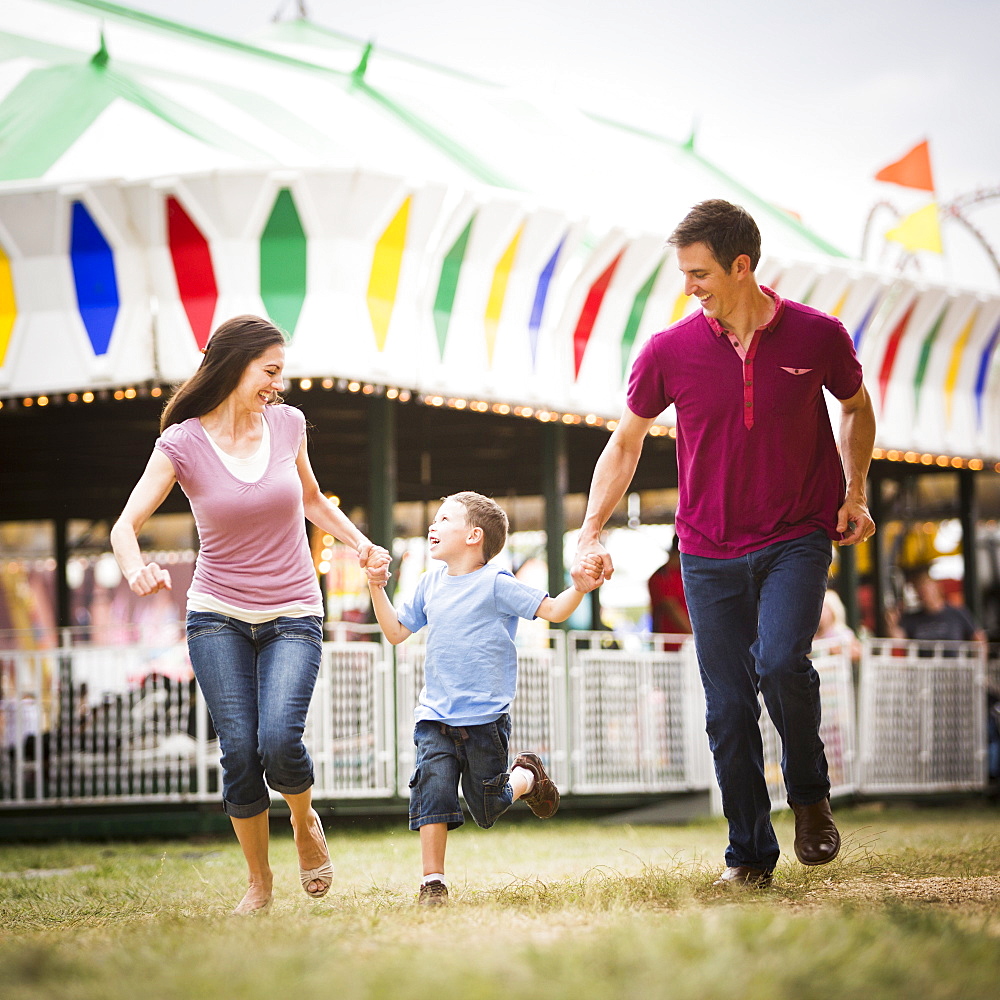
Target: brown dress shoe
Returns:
[[817, 840], [743, 877], [543, 799]]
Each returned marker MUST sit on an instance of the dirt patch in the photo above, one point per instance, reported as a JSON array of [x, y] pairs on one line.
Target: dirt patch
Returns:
[[979, 894]]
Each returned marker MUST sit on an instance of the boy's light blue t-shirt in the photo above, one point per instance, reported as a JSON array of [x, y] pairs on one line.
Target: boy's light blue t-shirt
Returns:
[[470, 669]]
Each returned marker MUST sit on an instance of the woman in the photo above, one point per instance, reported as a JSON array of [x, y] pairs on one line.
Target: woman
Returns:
[[254, 611]]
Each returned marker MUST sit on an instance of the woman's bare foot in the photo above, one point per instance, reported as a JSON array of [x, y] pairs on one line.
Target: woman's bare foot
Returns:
[[256, 900], [310, 842]]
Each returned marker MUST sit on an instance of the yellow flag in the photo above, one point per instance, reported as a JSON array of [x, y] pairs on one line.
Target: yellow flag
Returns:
[[919, 231]]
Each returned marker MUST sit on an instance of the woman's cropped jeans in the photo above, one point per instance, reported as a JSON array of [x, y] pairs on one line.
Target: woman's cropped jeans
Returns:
[[754, 618], [257, 681]]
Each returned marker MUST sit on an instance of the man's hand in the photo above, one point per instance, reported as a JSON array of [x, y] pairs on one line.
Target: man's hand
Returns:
[[854, 522], [591, 567]]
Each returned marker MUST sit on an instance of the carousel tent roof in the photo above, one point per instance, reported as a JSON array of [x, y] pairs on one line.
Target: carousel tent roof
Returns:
[[91, 89], [409, 227]]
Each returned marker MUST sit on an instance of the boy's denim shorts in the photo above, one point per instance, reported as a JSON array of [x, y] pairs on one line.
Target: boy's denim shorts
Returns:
[[476, 756]]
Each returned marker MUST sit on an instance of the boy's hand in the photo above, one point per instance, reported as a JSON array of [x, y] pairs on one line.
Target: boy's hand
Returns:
[[593, 567], [584, 577], [377, 566]]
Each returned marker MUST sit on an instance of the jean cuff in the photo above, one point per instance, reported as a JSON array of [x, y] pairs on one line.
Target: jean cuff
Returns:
[[293, 789], [454, 820], [248, 811]]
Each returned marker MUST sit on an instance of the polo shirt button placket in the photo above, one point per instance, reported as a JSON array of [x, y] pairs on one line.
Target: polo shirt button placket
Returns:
[[748, 394]]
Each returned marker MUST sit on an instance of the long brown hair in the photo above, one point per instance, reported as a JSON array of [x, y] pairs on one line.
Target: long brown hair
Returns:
[[230, 349]]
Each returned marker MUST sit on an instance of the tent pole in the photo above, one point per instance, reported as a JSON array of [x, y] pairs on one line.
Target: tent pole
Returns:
[[382, 474], [847, 585], [555, 483], [879, 575], [61, 540], [969, 515]]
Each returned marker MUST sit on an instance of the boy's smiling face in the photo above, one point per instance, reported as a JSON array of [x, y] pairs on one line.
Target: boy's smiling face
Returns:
[[449, 534]]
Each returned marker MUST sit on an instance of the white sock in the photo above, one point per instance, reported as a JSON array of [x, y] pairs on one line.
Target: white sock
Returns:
[[529, 776], [435, 877]]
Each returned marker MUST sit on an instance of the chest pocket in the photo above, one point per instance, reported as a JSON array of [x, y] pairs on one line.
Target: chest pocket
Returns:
[[787, 389]]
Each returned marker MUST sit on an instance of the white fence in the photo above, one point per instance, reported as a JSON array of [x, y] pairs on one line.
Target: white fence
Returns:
[[923, 716], [93, 725]]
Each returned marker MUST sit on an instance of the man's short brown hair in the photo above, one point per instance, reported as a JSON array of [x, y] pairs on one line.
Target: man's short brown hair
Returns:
[[726, 229], [483, 512]]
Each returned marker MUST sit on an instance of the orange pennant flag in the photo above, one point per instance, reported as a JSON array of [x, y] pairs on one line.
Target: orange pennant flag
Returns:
[[913, 170]]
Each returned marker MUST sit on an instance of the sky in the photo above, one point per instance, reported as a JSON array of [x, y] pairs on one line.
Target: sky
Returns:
[[801, 102]]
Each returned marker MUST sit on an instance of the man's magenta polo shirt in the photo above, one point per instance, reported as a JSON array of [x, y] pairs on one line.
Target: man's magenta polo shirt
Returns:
[[757, 462]]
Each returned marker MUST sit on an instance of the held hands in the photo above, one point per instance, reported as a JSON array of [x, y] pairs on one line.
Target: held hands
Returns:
[[149, 579], [591, 567], [375, 562]]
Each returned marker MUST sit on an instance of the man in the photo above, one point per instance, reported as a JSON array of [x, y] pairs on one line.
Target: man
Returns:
[[761, 494]]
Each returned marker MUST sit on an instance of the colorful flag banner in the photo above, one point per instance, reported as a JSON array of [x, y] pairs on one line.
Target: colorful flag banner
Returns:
[[889, 358], [93, 263], [955, 363], [913, 170], [444, 300], [983, 373], [919, 231], [588, 315], [498, 290], [541, 294], [387, 263], [635, 316], [283, 264], [193, 268], [8, 305], [925, 354]]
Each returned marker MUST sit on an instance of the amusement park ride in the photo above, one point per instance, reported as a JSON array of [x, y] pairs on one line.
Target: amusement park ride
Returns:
[[921, 230]]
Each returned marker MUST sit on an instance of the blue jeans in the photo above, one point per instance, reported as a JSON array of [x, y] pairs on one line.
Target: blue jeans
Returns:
[[257, 681], [754, 618], [474, 755]]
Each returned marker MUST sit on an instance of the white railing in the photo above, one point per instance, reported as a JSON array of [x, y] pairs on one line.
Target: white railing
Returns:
[[93, 725], [638, 715], [923, 716]]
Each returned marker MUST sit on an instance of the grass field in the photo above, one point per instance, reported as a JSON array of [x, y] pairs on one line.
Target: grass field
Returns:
[[564, 909]]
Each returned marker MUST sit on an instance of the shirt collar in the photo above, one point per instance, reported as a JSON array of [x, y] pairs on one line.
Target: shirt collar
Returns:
[[779, 307]]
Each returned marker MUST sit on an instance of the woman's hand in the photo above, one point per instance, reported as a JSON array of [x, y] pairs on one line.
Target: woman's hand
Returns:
[[375, 561], [149, 579]]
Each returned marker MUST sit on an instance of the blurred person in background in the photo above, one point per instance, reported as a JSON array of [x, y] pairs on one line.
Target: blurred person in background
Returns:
[[934, 620], [666, 595]]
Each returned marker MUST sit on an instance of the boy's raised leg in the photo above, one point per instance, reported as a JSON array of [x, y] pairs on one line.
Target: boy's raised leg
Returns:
[[543, 799]]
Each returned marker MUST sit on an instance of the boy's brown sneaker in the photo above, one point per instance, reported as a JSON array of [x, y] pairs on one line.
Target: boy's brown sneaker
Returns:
[[543, 799], [433, 894]]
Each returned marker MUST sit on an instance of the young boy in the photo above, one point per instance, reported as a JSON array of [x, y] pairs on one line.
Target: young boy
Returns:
[[462, 728]]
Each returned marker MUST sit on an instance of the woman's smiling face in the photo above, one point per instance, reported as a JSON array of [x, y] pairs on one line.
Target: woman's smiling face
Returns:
[[262, 379]]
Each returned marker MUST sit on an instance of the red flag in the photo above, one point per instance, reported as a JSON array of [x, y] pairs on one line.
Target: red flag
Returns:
[[913, 170]]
